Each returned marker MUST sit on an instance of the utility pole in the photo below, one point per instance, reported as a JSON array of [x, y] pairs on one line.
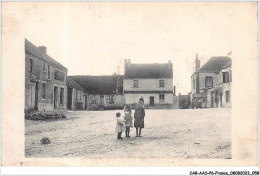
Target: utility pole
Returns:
[[118, 70]]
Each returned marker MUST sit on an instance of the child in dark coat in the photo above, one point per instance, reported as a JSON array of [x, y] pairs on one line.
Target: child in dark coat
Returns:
[[128, 120]]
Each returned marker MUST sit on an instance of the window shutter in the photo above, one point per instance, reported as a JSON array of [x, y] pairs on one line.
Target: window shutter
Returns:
[[227, 77], [230, 75]]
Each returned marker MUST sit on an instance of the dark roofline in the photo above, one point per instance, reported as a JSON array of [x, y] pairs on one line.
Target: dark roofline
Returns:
[[75, 84], [51, 61]]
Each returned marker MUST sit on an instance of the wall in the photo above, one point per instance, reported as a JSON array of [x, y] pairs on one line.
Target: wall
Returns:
[[37, 69], [118, 102], [148, 84], [77, 96], [202, 77], [226, 87], [134, 98]]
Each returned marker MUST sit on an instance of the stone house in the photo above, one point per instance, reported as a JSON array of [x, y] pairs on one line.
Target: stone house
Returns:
[[223, 88], [102, 92], [205, 79], [45, 80], [76, 97], [152, 82]]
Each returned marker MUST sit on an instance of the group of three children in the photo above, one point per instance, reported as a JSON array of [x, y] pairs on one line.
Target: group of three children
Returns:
[[124, 124]]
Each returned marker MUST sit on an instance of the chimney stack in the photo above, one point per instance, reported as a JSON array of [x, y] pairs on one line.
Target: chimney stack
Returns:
[[174, 90], [197, 63], [129, 61], [43, 49]]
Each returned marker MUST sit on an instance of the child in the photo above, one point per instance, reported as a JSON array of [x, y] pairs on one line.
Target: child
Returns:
[[128, 120], [120, 125]]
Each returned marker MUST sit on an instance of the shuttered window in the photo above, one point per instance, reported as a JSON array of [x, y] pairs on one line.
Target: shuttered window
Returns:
[[208, 81], [226, 77]]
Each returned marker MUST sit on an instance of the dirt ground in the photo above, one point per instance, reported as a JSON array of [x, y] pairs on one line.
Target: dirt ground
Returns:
[[191, 133]]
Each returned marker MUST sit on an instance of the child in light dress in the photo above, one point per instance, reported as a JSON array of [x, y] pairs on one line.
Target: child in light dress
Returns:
[[120, 125], [128, 120]]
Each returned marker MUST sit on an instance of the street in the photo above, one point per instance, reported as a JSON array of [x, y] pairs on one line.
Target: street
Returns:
[[178, 133]]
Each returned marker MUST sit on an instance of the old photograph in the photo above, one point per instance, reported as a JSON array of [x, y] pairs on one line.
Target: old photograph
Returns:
[[134, 80]]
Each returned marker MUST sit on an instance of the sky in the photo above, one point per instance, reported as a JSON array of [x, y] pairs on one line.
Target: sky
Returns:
[[94, 38]]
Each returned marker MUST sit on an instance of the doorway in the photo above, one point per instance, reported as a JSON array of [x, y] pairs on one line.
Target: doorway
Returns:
[[151, 101], [69, 98], [32, 102], [55, 102], [220, 99], [86, 102], [212, 99]]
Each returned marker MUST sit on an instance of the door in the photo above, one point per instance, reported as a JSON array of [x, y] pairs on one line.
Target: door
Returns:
[[32, 103], [69, 98], [220, 99], [86, 102], [151, 101], [212, 99], [101, 99], [55, 97]]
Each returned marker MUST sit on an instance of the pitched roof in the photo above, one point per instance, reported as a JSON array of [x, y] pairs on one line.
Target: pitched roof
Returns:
[[228, 64], [102, 85], [214, 64], [148, 71], [71, 83], [34, 50]]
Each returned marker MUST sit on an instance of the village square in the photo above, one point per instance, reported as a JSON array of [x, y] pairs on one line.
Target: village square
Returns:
[[76, 115]]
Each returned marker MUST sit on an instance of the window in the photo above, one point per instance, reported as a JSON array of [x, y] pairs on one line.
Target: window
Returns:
[[111, 99], [135, 82], [43, 66], [93, 100], [227, 96], [161, 83], [30, 65], [49, 72], [61, 95], [161, 98], [226, 77], [44, 91], [208, 81], [193, 83], [59, 75]]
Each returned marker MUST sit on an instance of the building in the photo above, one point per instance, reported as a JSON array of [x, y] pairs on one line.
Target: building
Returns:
[[223, 88], [45, 80], [152, 82], [76, 97], [204, 81], [102, 92]]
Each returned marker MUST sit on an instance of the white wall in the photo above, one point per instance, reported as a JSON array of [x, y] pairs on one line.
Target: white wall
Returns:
[[134, 98], [148, 84]]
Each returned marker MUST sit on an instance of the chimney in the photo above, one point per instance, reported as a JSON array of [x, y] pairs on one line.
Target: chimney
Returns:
[[129, 61], [169, 64], [197, 63], [174, 90], [43, 49]]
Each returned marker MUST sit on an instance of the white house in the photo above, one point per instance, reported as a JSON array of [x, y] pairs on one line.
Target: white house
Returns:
[[152, 82]]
